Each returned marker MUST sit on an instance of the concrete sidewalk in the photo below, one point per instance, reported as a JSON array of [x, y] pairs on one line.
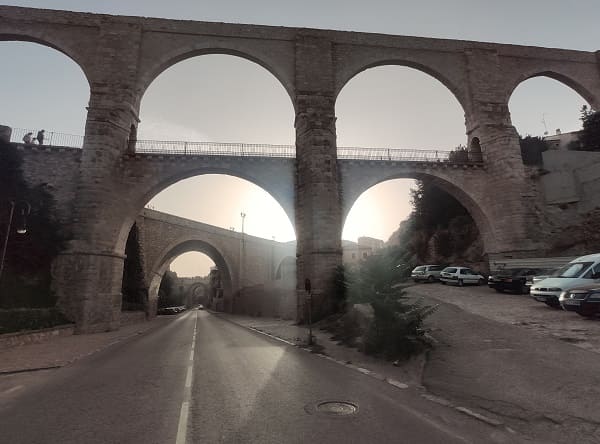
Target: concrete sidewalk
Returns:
[[60, 351]]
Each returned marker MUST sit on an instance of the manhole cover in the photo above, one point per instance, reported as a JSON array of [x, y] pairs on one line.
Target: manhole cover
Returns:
[[332, 408]]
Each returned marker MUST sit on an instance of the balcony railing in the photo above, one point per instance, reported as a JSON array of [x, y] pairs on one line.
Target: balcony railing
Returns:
[[182, 148]]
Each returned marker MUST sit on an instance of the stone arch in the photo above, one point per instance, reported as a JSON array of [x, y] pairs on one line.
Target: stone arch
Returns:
[[159, 63], [136, 196], [64, 46], [566, 79], [229, 275], [467, 194], [437, 69], [286, 269], [191, 291]]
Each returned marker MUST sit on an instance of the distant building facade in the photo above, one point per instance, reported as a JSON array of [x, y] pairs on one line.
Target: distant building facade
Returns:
[[563, 141], [355, 252]]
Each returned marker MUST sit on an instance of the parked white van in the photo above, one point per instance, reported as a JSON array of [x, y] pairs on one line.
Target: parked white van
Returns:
[[581, 271]]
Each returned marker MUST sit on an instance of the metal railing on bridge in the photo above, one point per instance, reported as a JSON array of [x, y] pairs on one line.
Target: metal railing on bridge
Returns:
[[183, 148], [285, 151], [51, 138], [214, 149], [395, 154]]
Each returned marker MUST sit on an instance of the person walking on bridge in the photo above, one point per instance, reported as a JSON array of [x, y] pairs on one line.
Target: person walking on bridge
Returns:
[[40, 137]]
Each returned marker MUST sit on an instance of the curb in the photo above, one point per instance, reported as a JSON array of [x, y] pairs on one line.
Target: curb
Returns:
[[76, 358], [378, 376], [364, 371]]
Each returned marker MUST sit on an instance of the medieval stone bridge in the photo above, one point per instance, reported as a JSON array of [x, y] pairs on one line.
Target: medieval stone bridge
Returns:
[[243, 261], [121, 56]]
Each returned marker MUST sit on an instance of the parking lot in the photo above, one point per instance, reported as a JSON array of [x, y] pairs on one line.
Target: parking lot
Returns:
[[519, 310]]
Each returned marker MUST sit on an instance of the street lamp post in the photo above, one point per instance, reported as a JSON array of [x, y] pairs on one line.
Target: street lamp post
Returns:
[[242, 254], [21, 229]]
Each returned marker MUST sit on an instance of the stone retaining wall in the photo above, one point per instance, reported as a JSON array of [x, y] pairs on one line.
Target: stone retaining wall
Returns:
[[34, 337]]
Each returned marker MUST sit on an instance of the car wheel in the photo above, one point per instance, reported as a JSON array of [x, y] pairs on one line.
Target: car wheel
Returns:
[[431, 279], [499, 290], [460, 283], [524, 290], [443, 282], [552, 304], [481, 282]]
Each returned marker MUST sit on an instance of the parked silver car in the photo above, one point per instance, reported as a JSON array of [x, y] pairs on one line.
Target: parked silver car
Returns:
[[428, 273], [461, 276]]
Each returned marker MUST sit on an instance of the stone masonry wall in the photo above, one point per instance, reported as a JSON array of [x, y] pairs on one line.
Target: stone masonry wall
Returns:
[[121, 56]]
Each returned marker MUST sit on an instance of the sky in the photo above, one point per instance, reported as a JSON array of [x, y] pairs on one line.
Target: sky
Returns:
[[213, 97]]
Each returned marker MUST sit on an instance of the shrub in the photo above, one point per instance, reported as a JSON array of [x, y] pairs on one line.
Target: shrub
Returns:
[[396, 331]]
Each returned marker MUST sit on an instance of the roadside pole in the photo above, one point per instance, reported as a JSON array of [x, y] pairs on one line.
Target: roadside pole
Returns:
[[307, 287]]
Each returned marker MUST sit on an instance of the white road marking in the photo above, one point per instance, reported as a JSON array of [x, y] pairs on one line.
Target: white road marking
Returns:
[[183, 421], [184, 413], [188, 378], [13, 389]]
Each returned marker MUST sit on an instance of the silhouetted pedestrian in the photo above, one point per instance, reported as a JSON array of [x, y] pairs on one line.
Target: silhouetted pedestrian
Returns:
[[40, 137], [27, 138]]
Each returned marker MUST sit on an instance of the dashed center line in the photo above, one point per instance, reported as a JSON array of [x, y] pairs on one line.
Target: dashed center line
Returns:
[[184, 413]]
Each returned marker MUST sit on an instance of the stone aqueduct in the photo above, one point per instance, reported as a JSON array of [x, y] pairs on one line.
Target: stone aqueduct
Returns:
[[120, 56], [243, 260]]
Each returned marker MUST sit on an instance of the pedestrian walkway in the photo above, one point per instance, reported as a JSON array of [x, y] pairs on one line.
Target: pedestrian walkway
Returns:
[[60, 351]]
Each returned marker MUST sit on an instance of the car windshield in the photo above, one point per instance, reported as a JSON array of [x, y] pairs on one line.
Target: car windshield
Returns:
[[449, 270], [419, 269], [573, 270]]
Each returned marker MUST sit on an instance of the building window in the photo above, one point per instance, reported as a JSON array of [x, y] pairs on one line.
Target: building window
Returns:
[[365, 255], [353, 255]]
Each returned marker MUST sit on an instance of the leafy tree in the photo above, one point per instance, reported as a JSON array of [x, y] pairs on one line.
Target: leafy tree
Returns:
[[26, 277], [168, 292], [590, 134], [434, 208], [532, 148], [396, 331], [459, 154], [135, 293]]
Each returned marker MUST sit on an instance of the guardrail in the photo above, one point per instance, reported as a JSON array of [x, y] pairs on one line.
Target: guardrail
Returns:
[[182, 148]]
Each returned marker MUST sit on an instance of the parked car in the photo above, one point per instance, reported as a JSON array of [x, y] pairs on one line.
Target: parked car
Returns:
[[516, 280], [171, 310], [460, 276], [581, 271], [167, 311], [429, 273], [584, 300]]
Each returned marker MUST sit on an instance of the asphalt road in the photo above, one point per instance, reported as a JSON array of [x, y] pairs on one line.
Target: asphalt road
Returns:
[[201, 379]]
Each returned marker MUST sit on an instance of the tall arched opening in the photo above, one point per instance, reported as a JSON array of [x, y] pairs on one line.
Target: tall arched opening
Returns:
[[35, 97], [409, 108]]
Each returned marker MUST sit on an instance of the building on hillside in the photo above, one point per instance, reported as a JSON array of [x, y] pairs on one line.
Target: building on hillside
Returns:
[[562, 141], [375, 244], [354, 252]]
